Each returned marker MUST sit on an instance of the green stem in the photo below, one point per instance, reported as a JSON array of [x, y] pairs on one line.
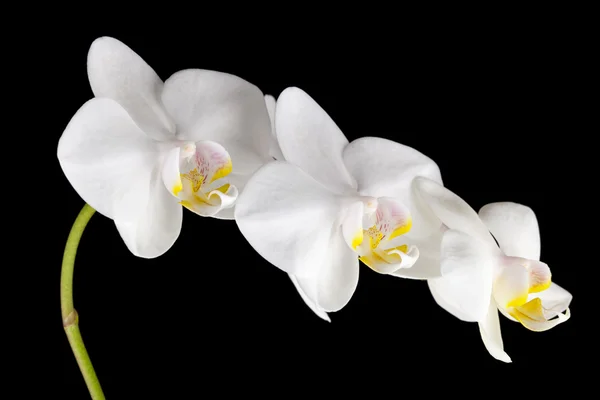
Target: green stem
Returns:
[[69, 315]]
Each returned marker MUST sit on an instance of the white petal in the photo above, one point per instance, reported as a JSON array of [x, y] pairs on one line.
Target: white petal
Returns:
[[389, 261], [515, 227], [221, 200], [310, 139], [159, 224], [118, 73], [239, 182], [535, 317], [215, 106], [504, 312], [491, 335], [334, 283], [271, 103], [311, 304], [428, 265], [226, 213], [540, 276], [352, 225], [465, 288], [516, 278], [555, 299], [108, 159], [170, 172], [451, 210], [511, 283], [338, 274], [408, 258], [383, 168], [288, 217], [274, 149], [544, 310]]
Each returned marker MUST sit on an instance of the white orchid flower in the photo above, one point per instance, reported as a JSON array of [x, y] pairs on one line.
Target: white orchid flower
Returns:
[[332, 202], [480, 277], [142, 148]]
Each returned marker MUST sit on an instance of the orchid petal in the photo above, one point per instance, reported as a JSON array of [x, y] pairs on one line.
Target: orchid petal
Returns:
[[352, 225], [118, 73], [311, 304], [555, 299], [428, 265], [540, 277], [388, 261], [171, 175], [108, 159], [505, 312], [158, 225], [515, 227], [237, 181], [545, 309], [288, 217], [310, 139], [274, 149], [226, 213], [338, 275], [333, 285], [534, 316], [465, 288], [516, 278], [491, 334], [451, 210], [219, 107], [511, 285], [383, 168]]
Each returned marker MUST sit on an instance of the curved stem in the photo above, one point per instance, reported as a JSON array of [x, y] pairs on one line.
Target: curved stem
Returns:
[[69, 315]]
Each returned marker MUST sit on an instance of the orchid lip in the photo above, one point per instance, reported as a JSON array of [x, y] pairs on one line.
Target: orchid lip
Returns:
[[371, 225], [194, 173]]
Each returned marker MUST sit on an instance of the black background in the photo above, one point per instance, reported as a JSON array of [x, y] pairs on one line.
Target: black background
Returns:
[[212, 316]]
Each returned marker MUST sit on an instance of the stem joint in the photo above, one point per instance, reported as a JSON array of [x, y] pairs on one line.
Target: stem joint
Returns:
[[71, 319]]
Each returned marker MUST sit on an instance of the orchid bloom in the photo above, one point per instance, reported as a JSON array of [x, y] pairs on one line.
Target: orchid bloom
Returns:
[[480, 277], [141, 149], [332, 202]]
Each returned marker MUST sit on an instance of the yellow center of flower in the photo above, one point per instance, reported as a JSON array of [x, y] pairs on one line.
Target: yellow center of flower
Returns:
[[201, 164], [385, 219], [374, 235]]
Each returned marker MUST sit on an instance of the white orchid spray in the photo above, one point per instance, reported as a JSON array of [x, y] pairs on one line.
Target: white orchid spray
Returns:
[[142, 149], [306, 199]]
